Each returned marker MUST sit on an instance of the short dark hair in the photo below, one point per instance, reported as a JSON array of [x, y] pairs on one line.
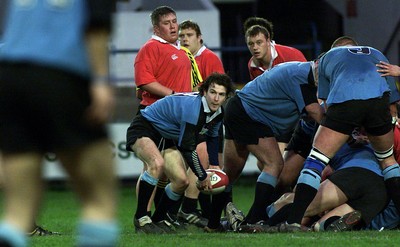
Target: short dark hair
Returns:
[[343, 41], [193, 25], [256, 29], [160, 11], [190, 24], [254, 20], [219, 79]]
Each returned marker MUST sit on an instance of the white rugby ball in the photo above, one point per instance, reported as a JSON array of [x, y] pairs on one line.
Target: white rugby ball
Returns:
[[219, 181]]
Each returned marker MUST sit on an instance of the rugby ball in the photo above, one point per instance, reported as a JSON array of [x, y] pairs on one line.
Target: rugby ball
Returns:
[[219, 180]]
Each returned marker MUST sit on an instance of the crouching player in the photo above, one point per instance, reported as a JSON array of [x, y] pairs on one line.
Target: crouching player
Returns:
[[175, 124]]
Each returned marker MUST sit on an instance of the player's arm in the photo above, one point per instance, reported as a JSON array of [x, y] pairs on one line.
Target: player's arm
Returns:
[[213, 142], [97, 38], [157, 89], [312, 107], [187, 146]]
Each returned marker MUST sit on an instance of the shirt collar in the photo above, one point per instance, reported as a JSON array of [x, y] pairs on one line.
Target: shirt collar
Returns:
[[177, 44], [274, 55], [200, 51], [208, 111]]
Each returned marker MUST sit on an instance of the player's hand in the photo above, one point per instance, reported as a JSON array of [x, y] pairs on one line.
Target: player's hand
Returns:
[[102, 105], [387, 69], [214, 167], [205, 184]]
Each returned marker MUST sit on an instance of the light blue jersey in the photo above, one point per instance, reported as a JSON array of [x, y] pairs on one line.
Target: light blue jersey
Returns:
[[362, 157], [173, 114], [350, 73], [64, 23], [275, 98]]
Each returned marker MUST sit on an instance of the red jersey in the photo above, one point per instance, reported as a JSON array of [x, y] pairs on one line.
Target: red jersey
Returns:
[[208, 62], [280, 54], [396, 146], [159, 61]]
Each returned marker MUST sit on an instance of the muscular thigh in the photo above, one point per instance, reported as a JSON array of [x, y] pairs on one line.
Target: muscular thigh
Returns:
[[175, 166], [328, 197], [235, 157], [268, 153]]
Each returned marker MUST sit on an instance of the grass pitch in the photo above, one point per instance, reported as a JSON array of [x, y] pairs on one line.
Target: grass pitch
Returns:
[[60, 213]]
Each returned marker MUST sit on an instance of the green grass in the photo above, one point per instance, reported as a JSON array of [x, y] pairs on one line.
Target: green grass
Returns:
[[60, 213]]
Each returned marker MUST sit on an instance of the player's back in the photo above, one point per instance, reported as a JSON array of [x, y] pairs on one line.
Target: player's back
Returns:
[[34, 35], [349, 73]]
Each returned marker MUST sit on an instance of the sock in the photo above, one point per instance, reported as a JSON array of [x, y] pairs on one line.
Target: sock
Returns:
[[160, 188], [12, 236], [168, 200], [205, 204], [218, 203], [145, 191], [324, 224], [97, 233], [281, 215], [189, 205], [302, 199], [173, 210], [264, 188]]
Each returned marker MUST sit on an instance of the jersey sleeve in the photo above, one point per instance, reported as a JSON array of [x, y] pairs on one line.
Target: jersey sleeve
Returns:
[[144, 71]]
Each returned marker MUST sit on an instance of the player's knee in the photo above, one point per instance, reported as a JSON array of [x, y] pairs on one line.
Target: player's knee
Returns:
[[180, 184], [156, 167]]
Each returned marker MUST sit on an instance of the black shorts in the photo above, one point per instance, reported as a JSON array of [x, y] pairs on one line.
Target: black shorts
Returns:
[[43, 109], [300, 143], [372, 114], [364, 189], [240, 127], [140, 127]]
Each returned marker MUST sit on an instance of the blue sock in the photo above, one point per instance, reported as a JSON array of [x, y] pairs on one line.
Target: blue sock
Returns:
[[97, 233], [12, 235]]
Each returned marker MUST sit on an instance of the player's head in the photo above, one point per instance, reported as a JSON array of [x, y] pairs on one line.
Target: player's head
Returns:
[[189, 24], [344, 41], [254, 20], [160, 12], [190, 35], [165, 23], [216, 89], [258, 41]]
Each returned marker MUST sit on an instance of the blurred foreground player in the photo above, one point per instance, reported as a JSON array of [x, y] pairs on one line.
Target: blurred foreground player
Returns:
[[54, 97]]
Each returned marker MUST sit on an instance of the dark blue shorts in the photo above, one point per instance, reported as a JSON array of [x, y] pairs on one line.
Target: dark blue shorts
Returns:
[[43, 110], [139, 128], [372, 114], [365, 190], [240, 127]]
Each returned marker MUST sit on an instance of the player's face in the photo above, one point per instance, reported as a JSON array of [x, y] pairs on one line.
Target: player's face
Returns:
[[190, 40], [167, 28], [215, 96], [258, 46]]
